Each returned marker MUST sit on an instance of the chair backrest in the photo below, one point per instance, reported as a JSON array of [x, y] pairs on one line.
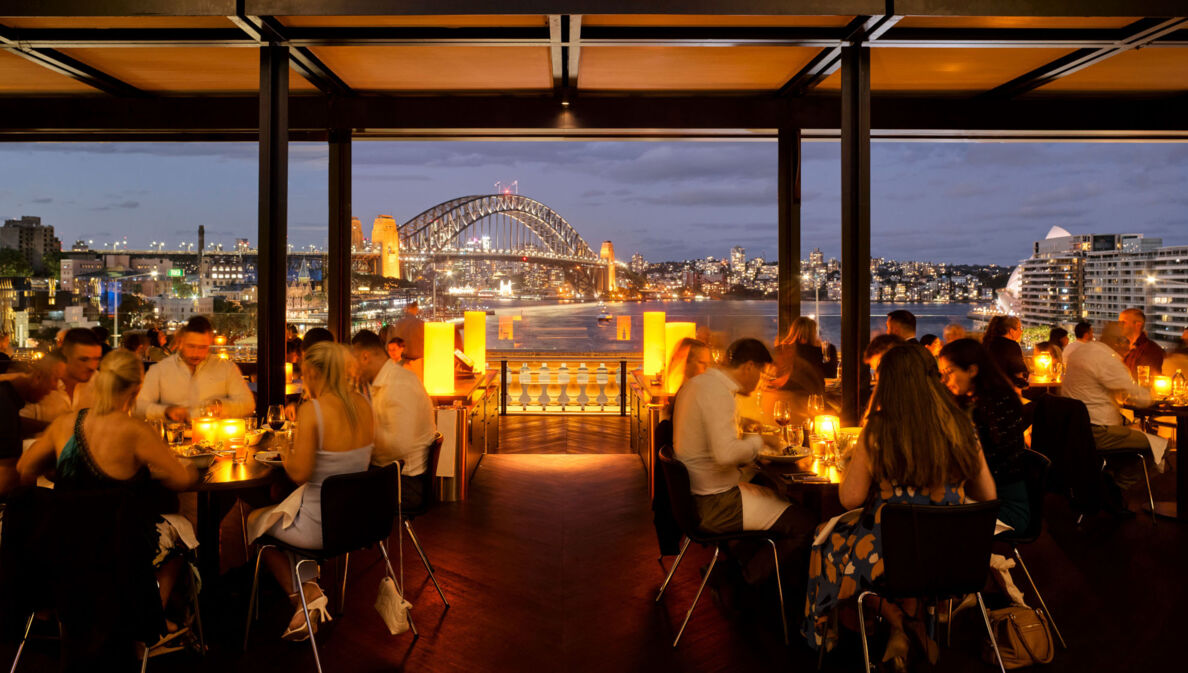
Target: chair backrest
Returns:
[[1035, 477], [431, 460], [680, 494], [358, 509], [936, 550]]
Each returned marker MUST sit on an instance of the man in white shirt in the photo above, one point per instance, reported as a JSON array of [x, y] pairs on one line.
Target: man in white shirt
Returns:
[[1096, 375], [706, 439], [404, 420], [1084, 334], [178, 387]]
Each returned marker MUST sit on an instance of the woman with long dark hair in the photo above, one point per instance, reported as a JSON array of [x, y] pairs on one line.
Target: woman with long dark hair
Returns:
[[982, 389], [917, 447]]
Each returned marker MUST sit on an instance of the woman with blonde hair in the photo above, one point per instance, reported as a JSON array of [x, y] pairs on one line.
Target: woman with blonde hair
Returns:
[[103, 447], [799, 360], [917, 447], [334, 436]]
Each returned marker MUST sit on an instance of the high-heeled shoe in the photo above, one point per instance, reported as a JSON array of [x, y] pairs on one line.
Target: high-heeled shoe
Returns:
[[317, 615], [897, 650]]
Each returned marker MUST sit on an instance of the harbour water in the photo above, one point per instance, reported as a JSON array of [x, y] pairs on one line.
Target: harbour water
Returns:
[[577, 328]]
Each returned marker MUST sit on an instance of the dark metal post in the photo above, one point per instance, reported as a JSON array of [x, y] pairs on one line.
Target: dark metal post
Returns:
[[855, 207], [789, 228], [273, 224], [622, 387], [338, 276], [503, 387]]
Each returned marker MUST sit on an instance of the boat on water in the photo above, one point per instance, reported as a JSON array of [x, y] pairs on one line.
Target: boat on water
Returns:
[[604, 316]]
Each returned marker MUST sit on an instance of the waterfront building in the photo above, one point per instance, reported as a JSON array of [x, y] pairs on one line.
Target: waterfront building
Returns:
[[71, 268], [356, 235], [1167, 309], [385, 237], [31, 238], [1116, 280]]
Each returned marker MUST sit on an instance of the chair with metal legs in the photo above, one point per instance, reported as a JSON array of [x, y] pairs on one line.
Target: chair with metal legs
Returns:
[[934, 552], [406, 516], [685, 513], [1036, 479], [1141, 455], [358, 511]]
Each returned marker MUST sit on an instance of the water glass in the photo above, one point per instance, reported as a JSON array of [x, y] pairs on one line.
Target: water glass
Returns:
[[794, 435], [175, 432], [240, 453]]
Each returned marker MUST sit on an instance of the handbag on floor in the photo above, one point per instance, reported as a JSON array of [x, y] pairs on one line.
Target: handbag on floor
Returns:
[[392, 607], [1022, 635]]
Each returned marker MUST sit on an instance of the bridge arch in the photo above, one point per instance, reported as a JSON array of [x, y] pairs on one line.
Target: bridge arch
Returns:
[[434, 229]]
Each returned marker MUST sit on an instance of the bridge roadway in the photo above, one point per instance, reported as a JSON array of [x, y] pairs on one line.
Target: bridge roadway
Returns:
[[530, 255]]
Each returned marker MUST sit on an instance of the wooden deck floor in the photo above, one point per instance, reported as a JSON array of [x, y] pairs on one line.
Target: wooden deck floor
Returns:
[[579, 433], [551, 566]]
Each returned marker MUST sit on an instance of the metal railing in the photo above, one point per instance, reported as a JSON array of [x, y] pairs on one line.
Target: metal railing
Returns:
[[563, 383]]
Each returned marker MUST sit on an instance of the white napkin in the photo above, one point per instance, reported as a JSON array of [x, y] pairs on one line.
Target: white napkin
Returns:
[[1158, 447], [285, 512]]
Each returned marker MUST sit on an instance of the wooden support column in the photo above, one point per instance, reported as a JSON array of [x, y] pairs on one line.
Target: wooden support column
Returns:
[[855, 221], [273, 225], [789, 228], [338, 273]]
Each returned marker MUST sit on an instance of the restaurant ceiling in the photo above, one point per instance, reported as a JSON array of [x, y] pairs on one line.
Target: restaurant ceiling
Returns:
[[348, 48]]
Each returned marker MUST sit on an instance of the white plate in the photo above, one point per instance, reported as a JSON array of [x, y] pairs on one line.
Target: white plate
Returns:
[[800, 454], [268, 457]]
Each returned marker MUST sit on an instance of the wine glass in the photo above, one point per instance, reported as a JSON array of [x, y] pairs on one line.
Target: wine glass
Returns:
[[275, 417], [782, 413], [816, 404]]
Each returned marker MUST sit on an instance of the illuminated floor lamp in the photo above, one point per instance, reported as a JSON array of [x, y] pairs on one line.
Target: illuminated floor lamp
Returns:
[[653, 344], [439, 358], [674, 333], [475, 339]]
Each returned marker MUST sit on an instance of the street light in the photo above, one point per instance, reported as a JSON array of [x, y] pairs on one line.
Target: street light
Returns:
[[115, 311]]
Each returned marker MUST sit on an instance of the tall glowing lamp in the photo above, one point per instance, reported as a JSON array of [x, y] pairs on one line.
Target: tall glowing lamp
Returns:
[[674, 333], [653, 343], [439, 358], [475, 339]]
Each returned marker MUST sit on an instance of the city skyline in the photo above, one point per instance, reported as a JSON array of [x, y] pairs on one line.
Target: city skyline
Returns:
[[666, 200]]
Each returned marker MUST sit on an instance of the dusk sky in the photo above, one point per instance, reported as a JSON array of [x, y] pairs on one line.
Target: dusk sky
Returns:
[[954, 202]]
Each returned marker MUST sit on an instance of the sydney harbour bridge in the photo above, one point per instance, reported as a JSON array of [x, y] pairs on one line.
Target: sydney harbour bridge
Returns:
[[492, 227]]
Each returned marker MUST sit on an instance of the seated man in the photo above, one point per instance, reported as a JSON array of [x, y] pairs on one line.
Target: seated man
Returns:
[[902, 324], [80, 352], [1096, 375], [15, 392], [396, 349], [1141, 351], [404, 420], [706, 439], [180, 386]]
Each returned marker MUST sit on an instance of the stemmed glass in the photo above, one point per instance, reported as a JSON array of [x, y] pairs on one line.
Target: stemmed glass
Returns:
[[275, 417], [816, 404], [782, 412]]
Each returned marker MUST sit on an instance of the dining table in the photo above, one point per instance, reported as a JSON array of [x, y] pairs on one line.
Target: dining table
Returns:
[[812, 481], [222, 484], [1155, 414]]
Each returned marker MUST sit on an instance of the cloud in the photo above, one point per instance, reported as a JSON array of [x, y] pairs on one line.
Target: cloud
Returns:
[[129, 205], [44, 199]]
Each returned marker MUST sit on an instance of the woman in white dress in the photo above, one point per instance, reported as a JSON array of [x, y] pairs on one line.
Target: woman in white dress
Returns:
[[334, 436]]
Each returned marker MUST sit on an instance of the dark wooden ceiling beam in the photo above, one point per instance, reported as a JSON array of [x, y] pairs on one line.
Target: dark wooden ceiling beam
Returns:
[[1137, 35], [60, 63], [600, 116], [860, 29], [268, 30]]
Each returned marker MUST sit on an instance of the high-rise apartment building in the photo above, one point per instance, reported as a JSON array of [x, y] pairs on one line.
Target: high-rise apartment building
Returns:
[[738, 264], [1167, 282], [1116, 280], [32, 239]]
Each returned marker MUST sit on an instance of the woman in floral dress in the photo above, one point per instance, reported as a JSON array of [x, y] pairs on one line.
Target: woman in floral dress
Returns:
[[917, 447]]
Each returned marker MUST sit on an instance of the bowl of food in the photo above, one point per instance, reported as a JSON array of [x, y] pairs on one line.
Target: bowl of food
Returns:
[[253, 437], [198, 456]]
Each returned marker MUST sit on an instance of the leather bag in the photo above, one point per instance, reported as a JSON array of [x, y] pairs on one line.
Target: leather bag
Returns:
[[392, 607], [1022, 635]]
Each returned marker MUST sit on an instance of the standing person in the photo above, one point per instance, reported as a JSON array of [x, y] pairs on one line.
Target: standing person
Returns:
[[953, 332], [1142, 351], [411, 329], [706, 439], [983, 390], [1083, 331], [1002, 342], [902, 324], [178, 387], [918, 448], [25, 388], [158, 344], [334, 436], [404, 420], [1096, 375], [104, 448]]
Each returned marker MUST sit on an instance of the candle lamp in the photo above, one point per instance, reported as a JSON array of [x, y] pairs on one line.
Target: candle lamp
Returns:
[[826, 426], [206, 431], [1043, 365], [288, 372], [233, 430], [1161, 387]]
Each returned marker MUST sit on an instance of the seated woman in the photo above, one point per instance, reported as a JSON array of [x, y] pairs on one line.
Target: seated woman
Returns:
[[917, 447], [983, 390], [1002, 343], [334, 436], [800, 363], [104, 448]]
